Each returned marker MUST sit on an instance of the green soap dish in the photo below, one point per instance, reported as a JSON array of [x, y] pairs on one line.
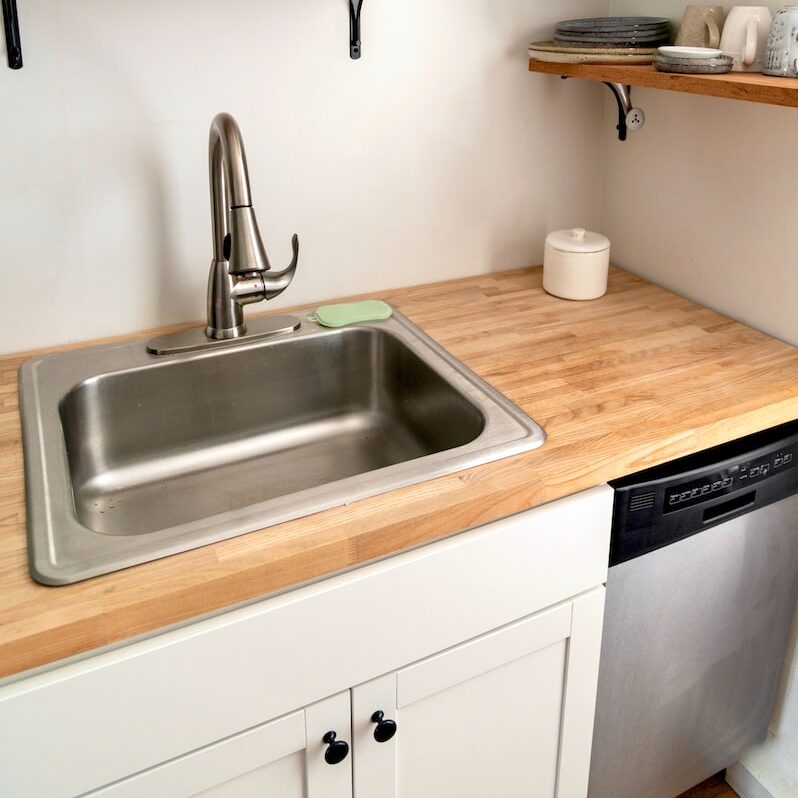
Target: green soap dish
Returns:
[[352, 313]]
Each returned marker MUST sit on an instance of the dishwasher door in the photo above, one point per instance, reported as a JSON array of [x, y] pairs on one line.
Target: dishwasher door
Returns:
[[694, 643]]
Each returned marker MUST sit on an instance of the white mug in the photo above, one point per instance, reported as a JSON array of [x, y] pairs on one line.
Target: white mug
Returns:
[[745, 37]]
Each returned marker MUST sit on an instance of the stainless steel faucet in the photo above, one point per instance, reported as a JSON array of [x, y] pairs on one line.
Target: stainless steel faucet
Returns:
[[240, 269]]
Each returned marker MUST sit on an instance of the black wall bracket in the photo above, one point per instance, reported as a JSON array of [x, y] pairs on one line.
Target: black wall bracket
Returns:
[[623, 96], [11, 25], [629, 116], [354, 28]]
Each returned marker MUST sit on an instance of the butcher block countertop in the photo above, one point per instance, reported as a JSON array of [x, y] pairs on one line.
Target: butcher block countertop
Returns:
[[631, 380]]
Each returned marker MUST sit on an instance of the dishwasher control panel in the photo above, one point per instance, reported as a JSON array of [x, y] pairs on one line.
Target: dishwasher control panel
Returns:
[[666, 503], [719, 483]]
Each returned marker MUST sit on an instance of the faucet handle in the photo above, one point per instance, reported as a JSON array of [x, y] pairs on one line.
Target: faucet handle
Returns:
[[275, 283], [295, 257]]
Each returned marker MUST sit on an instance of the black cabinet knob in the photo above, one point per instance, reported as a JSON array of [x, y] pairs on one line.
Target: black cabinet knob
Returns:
[[337, 750], [385, 729]]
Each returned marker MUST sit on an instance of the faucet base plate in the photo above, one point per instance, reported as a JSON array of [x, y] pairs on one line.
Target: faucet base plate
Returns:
[[195, 339]]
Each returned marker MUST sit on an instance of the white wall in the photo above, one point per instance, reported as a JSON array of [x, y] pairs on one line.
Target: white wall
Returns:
[[431, 158], [775, 764], [704, 200]]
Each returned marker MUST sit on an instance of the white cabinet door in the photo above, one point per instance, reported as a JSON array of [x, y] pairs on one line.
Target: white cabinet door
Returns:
[[284, 758], [508, 713]]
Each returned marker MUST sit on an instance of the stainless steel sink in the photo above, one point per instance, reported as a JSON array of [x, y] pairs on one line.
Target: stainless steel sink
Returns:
[[130, 457]]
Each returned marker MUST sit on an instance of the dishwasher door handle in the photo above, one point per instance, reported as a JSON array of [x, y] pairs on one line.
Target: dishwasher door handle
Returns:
[[730, 506]]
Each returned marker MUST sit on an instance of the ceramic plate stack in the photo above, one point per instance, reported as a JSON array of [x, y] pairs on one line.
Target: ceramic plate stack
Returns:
[[614, 31], [692, 61], [557, 53], [604, 40]]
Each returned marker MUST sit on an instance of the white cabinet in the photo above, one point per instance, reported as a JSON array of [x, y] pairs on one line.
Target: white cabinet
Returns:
[[483, 648], [282, 758], [487, 717]]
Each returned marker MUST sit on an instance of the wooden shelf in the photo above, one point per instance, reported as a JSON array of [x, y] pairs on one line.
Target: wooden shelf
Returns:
[[746, 86]]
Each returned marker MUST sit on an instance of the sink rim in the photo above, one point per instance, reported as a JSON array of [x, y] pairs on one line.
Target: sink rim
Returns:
[[61, 550]]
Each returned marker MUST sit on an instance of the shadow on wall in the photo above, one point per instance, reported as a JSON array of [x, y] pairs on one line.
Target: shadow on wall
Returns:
[[565, 118]]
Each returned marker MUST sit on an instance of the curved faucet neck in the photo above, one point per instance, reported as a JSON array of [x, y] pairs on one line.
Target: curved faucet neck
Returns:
[[229, 178]]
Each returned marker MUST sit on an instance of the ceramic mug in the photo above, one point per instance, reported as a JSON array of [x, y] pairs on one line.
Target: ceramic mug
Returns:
[[701, 26], [745, 37], [782, 53]]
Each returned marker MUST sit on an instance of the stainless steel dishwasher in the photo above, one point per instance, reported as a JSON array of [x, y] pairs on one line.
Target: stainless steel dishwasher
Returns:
[[700, 597]]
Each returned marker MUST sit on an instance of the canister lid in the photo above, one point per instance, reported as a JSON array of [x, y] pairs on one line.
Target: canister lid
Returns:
[[577, 239]]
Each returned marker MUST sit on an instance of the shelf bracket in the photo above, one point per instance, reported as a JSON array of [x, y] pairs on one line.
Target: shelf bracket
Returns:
[[629, 117], [623, 96], [354, 28], [11, 26]]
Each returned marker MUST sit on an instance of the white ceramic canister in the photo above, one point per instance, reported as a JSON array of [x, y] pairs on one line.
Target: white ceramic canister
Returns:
[[576, 264]]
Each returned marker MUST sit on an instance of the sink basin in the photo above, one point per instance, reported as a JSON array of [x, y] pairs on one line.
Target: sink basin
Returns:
[[130, 456]]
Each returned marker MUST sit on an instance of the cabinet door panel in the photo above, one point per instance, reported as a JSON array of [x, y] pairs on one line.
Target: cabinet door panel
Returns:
[[482, 718], [471, 659], [284, 778], [282, 758], [496, 734]]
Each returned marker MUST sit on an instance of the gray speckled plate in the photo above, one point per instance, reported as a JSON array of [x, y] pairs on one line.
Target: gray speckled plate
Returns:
[[715, 66], [629, 34], [612, 24], [717, 60], [579, 49], [626, 41]]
